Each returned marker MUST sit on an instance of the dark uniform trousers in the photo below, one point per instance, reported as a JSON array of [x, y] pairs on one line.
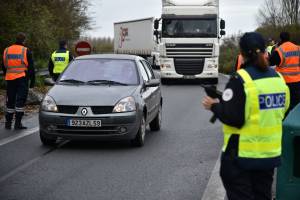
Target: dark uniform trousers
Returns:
[[17, 92], [242, 184], [295, 94]]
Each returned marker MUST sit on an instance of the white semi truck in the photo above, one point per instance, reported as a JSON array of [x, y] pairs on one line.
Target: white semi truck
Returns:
[[186, 39]]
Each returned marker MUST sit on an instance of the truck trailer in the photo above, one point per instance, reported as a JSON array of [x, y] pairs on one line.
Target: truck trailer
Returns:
[[184, 42]]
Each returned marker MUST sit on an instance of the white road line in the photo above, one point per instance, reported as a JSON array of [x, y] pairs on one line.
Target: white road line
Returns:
[[18, 136], [214, 189]]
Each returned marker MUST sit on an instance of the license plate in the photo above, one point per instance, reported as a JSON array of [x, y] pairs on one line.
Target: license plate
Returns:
[[84, 123], [189, 77]]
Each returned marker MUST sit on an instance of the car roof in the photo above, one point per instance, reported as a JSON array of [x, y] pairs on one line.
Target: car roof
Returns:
[[109, 56]]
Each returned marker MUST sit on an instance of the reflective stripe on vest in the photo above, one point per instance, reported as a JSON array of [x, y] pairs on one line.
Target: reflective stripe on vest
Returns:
[[60, 61], [290, 62], [266, 103], [15, 62]]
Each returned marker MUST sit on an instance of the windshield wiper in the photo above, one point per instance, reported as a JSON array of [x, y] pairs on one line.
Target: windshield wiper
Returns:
[[97, 82], [71, 81]]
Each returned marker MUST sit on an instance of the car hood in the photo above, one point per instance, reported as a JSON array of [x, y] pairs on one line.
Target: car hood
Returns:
[[90, 95]]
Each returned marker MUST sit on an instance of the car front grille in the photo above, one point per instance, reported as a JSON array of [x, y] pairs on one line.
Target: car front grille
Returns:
[[97, 110], [105, 130], [102, 109], [67, 109]]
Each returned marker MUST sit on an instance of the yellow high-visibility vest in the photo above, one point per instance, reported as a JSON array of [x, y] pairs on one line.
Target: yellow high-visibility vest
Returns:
[[60, 61], [267, 100]]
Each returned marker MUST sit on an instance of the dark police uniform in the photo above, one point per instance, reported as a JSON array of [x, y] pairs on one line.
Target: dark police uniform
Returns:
[[245, 174]]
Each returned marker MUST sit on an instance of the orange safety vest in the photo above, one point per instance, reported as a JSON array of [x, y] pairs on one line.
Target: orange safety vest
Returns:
[[15, 62], [289, 66], [240, 61]]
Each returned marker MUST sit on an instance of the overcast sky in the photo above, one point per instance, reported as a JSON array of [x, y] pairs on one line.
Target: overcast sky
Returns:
[[240, 15]]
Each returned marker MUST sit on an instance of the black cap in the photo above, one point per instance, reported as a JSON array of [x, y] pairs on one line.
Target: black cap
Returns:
[[251, 43], [20, 38], [62, 43]]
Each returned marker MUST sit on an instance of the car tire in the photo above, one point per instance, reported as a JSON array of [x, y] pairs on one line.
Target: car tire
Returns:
[[155, 124], [46, 140], [139, 139]]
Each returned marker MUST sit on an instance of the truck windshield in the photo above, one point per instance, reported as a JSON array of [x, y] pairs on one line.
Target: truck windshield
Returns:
[[189, 28]]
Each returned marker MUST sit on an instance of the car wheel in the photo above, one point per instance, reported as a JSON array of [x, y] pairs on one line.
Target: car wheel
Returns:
[[139, 139], [46, 140], [155, 125]]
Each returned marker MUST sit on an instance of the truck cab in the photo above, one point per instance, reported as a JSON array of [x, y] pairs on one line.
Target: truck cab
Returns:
[[189, 40]]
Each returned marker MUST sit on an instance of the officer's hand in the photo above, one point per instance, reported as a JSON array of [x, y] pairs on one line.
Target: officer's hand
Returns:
[[208, 102]]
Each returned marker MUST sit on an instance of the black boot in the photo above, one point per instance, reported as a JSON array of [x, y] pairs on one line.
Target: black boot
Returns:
[[8, 120], [18, 123]]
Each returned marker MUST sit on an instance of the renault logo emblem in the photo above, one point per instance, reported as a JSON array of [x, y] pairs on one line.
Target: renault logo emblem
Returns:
[[84, 111]]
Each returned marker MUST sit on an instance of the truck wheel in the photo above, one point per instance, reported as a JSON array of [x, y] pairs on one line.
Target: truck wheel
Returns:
[[155, 124], [139, 139], [164, 81], [46, 140]]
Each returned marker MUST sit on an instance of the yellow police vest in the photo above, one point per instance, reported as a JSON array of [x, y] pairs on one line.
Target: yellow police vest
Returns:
[[269, 49], [267, 100], [60, 61]]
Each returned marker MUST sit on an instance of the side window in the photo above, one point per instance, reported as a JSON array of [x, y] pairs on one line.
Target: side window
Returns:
[[143, 72], [148, 69]]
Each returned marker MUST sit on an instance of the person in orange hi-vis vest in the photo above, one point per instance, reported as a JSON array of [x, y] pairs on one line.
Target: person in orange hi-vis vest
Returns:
[[18, 69], [287, 60]]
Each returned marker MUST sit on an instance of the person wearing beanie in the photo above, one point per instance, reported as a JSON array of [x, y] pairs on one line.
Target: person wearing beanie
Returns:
[[59, 60], [286, 58], [18, 70], [252, 108]]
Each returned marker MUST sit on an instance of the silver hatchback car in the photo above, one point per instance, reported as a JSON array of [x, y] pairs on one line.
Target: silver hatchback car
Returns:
[[105, 97]]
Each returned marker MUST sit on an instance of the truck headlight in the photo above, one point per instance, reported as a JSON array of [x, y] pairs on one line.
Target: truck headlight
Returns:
[[125, 105], [49, 104]]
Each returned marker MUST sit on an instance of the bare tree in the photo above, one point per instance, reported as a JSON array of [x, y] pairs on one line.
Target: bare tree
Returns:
[[279, 12]]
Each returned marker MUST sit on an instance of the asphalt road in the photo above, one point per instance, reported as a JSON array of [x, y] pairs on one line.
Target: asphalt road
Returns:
[[175, 163]]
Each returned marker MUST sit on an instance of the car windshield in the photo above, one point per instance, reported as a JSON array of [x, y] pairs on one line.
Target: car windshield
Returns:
[[189, 28], [101, 71]]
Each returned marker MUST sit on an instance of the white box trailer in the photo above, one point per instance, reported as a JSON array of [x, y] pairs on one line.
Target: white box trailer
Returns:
[[134, 37]]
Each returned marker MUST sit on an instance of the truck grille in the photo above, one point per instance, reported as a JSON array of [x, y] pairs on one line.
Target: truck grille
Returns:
[[189, 66], [189, 58]]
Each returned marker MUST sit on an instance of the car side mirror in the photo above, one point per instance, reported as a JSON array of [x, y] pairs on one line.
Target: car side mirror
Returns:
[[152, 83], [49, 82]]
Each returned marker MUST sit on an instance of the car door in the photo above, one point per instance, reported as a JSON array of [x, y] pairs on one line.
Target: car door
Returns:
[[155, 91], [145, 91]]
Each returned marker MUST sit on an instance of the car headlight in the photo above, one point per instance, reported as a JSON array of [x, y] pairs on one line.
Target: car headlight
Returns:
[[49, 104], [125, 105]]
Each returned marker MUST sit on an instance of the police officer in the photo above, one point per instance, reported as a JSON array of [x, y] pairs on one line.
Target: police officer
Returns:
[[271, 47], [287, 60], [59, 60], [252, 108], [18, 69]]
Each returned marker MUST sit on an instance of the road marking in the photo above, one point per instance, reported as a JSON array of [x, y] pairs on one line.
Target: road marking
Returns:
[[31, 162], [18, 136], [214, 189]]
